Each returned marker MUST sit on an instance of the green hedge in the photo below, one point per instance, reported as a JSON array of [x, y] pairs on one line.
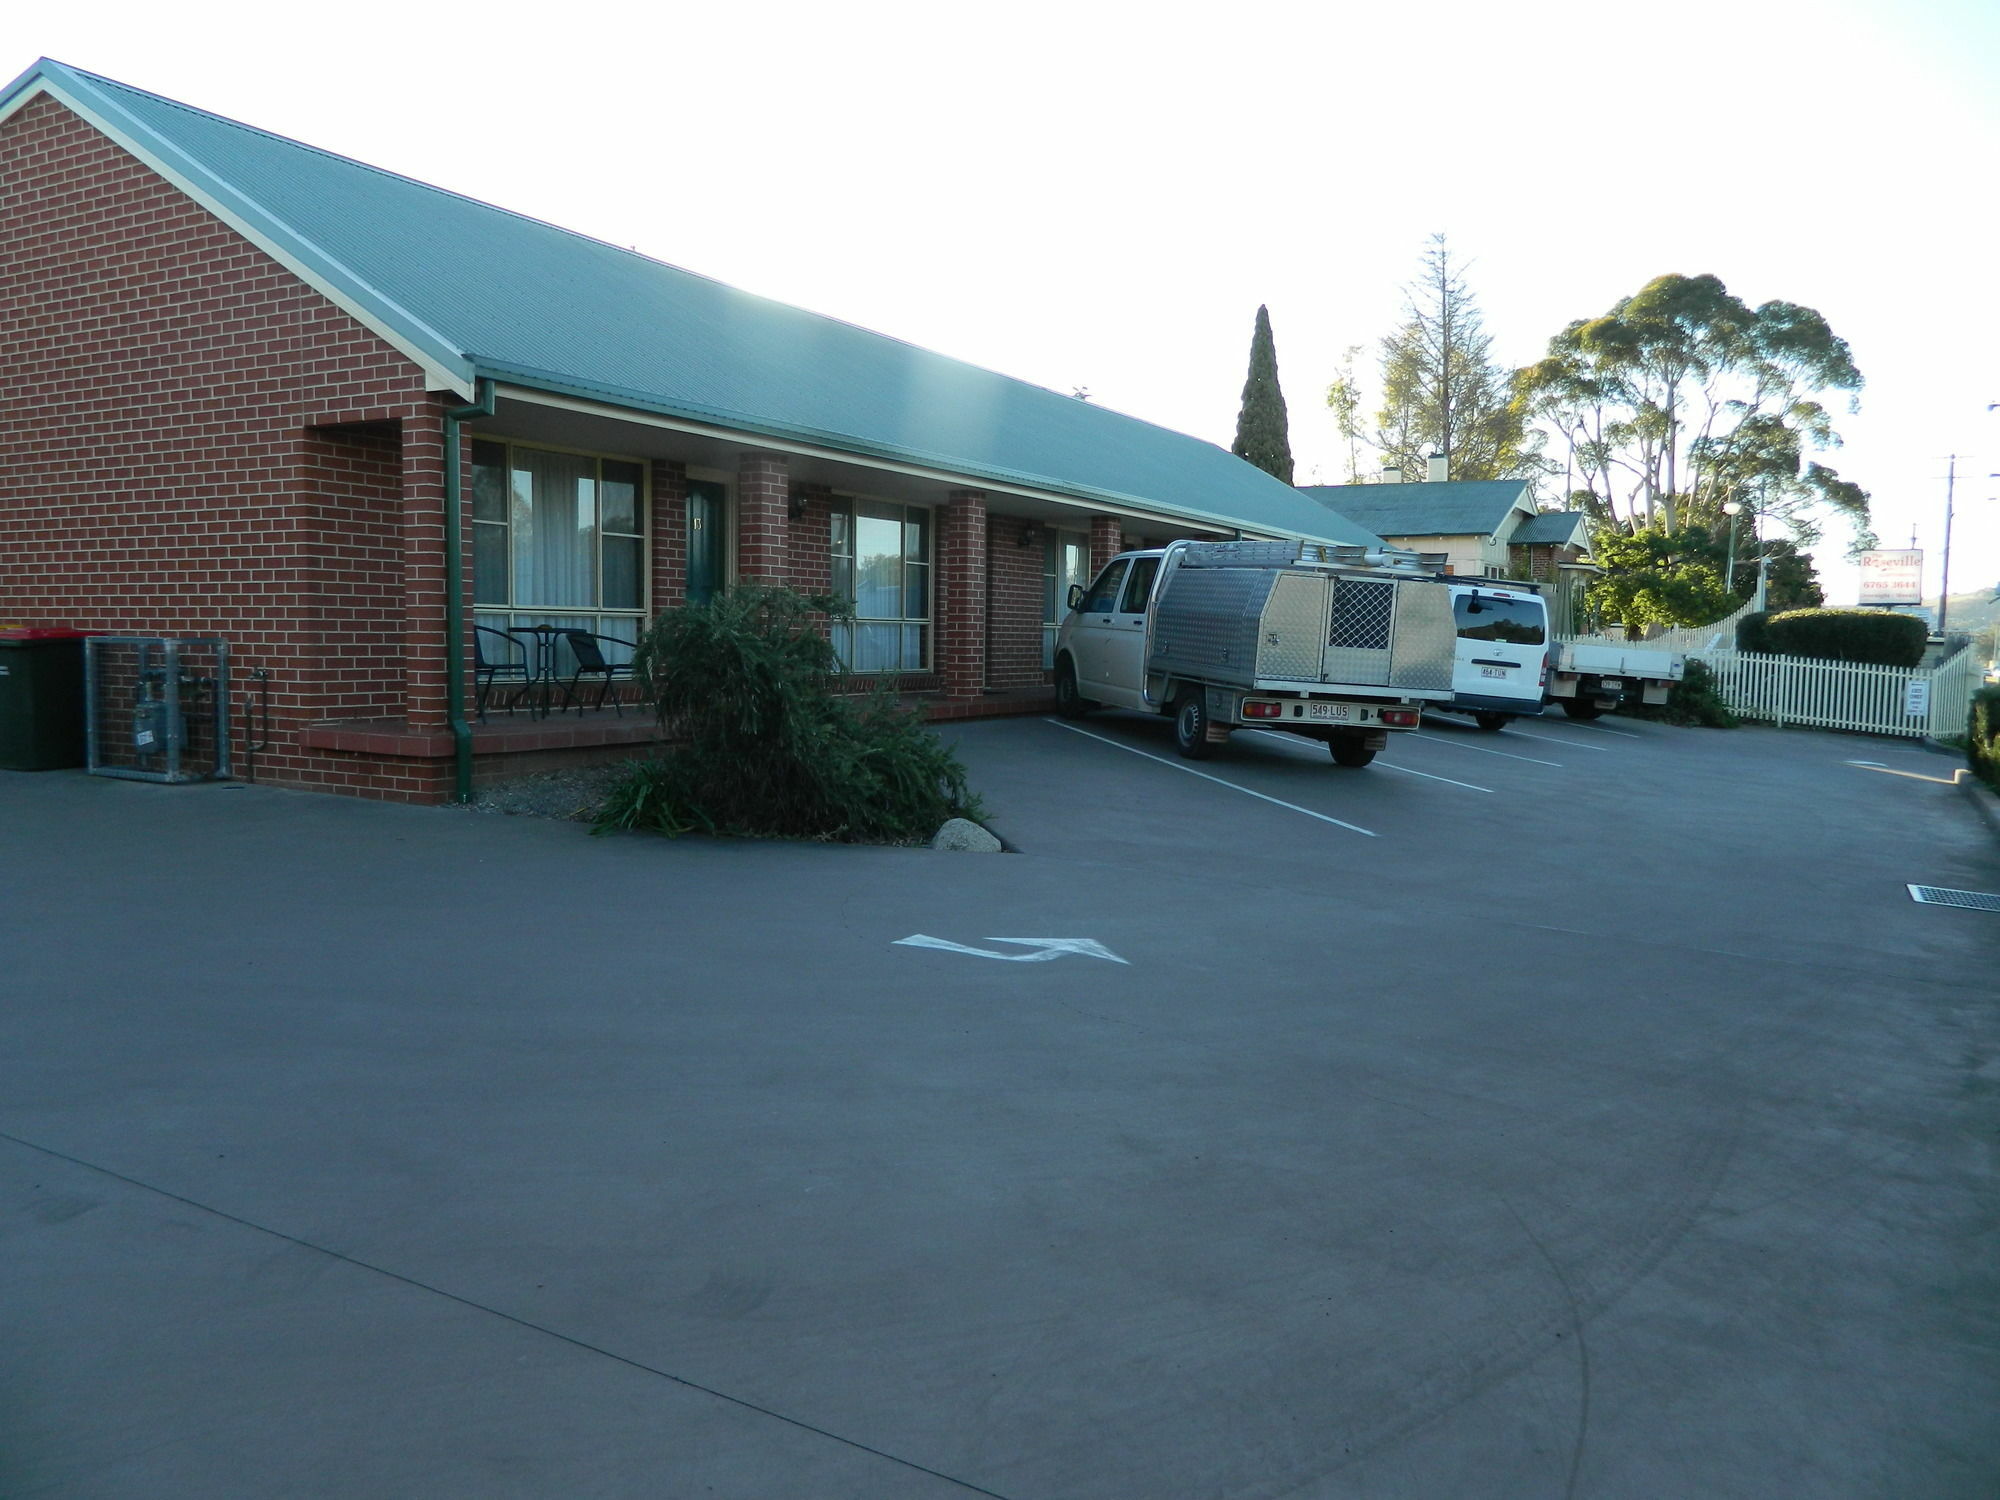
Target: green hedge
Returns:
[[1870, 636], [1982, 736]]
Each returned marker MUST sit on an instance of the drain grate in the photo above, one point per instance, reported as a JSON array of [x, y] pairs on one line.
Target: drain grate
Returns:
[[1937, 895]]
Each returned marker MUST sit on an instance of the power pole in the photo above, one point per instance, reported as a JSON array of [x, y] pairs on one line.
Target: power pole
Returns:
[[1944, 589]]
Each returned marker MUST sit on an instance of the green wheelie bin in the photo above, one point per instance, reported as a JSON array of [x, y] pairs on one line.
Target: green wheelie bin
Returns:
[[41, 698]]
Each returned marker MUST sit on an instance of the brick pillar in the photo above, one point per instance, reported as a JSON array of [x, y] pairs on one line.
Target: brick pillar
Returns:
[[961, 594], [763, 518], [1107, 540], [669, 535], [424, 703]]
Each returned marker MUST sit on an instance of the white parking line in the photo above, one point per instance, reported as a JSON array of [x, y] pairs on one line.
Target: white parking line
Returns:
[[1392, 766], [1549, 739], [1623, 734], [1432, 739], [1385, 765], [1552, 740], [1176, 765]]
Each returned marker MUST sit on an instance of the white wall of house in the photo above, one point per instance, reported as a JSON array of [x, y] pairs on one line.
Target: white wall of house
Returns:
[[1464, 554]]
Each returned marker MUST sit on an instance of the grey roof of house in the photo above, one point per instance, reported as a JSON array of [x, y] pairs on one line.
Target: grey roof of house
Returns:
[[470, 290], [1459, 507], [1561, 527]]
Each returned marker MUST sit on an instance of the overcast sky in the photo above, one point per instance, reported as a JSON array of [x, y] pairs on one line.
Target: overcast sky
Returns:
[[1100, 195]]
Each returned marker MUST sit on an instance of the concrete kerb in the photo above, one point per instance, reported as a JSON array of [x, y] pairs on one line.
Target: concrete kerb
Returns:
[[1983, 798]]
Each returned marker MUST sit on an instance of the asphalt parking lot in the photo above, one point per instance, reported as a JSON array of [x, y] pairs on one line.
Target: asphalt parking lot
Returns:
[[1573, 1111]]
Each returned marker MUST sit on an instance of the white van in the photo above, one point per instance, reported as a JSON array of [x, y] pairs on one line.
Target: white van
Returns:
[[1502, 661]]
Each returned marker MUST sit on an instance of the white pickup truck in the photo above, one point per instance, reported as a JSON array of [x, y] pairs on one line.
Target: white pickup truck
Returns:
[[1589, 678], [1337, 644]]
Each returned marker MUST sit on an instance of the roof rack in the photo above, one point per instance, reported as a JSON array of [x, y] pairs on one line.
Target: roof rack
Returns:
[[1289, 554]]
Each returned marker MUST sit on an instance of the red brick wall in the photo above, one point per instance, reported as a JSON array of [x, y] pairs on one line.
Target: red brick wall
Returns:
[[353, 479], [1014, 604], [1107, 540], [157, 468], [669, 534], [763, 519], [811, 540], [960, 608]]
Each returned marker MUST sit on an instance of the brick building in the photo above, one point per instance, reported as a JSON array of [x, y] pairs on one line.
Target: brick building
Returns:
[[237, 368]]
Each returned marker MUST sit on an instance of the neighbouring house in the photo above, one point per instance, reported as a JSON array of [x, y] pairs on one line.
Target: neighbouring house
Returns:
[[239, 370], [1488, 528]]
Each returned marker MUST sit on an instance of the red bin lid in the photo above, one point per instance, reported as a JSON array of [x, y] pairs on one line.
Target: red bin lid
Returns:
[[46, 633]]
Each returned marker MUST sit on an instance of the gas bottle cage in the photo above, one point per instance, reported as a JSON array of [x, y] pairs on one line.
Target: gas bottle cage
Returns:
[[157, 708]]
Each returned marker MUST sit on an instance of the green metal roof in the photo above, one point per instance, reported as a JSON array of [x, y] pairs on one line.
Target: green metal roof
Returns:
[[1561, 527], [1459, 507], [470, 290]]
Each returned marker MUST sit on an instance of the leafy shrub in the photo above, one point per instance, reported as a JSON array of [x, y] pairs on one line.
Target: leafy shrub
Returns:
[[1869, 636], [748, 681], [1982, 736], [1692, 700], [1750, 634]]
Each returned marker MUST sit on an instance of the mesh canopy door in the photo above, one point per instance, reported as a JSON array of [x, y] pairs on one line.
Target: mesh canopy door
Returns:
[[1359, 627]]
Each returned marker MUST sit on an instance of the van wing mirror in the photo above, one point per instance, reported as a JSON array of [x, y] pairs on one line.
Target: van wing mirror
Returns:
[[1075, 595]]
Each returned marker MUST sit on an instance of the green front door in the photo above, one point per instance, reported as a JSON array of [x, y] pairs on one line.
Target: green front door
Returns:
[[708, 553]]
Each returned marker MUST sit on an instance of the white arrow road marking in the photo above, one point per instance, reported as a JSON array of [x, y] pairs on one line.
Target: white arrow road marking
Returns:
[[1045, 948]]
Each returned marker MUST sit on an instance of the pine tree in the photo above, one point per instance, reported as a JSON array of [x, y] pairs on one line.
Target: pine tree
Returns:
[[1441, 390], [1263, 434]]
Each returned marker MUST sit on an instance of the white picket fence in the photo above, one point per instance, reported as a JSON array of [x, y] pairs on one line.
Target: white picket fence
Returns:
[[1689, 638], [1915, 701]]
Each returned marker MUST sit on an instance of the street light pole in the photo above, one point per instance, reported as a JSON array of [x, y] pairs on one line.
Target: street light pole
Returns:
[[1731, 509]]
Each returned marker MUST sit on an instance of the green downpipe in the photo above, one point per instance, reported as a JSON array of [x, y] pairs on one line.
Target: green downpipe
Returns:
[[454, 585]]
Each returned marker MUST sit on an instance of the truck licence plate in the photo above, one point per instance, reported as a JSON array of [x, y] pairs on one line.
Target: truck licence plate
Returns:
[[1614, 682], [1328, 711], [1492, 671]]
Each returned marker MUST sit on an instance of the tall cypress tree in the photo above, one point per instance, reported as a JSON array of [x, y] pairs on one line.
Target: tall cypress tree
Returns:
[[1263, 433]]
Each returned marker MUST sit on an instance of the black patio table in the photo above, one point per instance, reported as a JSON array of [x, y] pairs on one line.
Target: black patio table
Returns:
[[542, 679]]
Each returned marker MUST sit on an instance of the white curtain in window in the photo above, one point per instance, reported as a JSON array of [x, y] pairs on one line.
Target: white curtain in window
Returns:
[[555, 528]]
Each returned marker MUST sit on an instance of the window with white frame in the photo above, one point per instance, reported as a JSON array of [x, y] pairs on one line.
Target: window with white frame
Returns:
[[559, 539], [1065, 560], [882, 564]]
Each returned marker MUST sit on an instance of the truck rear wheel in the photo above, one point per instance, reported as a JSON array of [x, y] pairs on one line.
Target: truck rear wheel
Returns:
[[1070, 703], [1350, 750], [1191, 724], [1580, 707], [1491, 722]]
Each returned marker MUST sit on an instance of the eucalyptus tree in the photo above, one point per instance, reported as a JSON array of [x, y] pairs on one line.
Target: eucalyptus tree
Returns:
[[1684, 393], [1343, 398], [1263, 431]]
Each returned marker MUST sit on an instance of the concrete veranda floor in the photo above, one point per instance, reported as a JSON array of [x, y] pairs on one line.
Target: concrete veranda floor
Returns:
[[1572, 1111]]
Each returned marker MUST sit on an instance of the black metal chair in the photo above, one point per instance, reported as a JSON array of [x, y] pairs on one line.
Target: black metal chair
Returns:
[[485, 672], [588, 649]]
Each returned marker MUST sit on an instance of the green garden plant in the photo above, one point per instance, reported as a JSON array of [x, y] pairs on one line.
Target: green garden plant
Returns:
[[1692, 700], [1982, 736], [749, 684]]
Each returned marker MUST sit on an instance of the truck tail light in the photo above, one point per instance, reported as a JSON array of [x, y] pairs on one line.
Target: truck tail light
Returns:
[[1545, 673], [1263, 710], [1400, 718]]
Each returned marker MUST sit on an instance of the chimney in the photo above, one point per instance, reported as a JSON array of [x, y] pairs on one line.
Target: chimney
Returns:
[[1392, 475], [1438, 469]]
